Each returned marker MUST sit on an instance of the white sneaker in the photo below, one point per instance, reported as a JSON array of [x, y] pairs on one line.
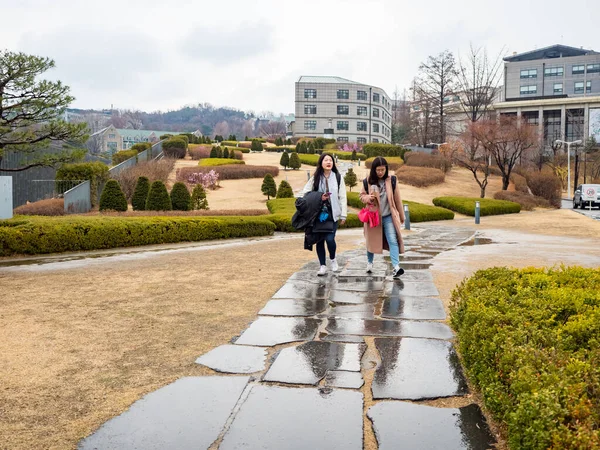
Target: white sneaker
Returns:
[[322, 271], [369, 267], [334, 265], [397, 272]]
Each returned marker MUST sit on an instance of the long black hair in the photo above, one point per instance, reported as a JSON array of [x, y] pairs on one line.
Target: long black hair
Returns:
[[319, 172], [377, 162]]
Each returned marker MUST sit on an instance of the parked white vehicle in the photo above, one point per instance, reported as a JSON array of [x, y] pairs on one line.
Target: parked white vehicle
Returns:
[[586, 195]]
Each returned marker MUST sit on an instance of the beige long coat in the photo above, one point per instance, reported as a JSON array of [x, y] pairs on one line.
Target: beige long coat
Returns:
[[376, 241]]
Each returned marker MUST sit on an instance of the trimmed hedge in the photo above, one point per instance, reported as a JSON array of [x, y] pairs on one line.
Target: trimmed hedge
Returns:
[[394, 162], [384, 150], [96, 172], [210, 162], [466, 205], [175, 147], [282, 210], [112, 197], [158, 197], [141, 146], [310, 160], [346, 156], [36, 235], [530, 342], [123, 155], [140, 194], [180, 197], [418, 211]]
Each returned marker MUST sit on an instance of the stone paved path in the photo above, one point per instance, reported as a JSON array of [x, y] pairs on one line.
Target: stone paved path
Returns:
[[294, 379]]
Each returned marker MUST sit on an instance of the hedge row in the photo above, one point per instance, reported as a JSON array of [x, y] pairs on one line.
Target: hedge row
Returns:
[[346, 156], [418, 211], [394, 162], [309, 160], [282, 210], [530, 342], [209, 162], [123, 155], [384, 150], [488, 207], [61, 234]]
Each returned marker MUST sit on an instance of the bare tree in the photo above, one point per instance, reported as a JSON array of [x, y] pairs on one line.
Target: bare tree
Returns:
[[272, 128], [469, 152], [222, 129], [437, 78], [421, 117]]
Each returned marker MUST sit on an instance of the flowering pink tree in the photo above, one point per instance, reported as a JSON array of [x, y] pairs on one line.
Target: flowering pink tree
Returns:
[[209, 180], [350, 148]]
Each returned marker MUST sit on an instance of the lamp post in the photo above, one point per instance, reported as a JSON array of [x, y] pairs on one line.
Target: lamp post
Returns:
[[568, 144]]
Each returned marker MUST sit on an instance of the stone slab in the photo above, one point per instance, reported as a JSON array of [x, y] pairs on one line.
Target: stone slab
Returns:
[[344, 379], [417, 276], [310, 276], [412, 288], [420, 265], [355, 298], [405, 328], [359, 311], [342, 338], [413, 308], [424, 427], [269, 331], [417, 369], [187, 414], [294, 307], [235, 359], [308, 363], [303, 290], [358, 284], [274, 417]]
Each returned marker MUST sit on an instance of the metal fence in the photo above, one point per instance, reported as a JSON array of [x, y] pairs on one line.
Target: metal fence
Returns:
[[78, 199], [46, 189], [22, 192]]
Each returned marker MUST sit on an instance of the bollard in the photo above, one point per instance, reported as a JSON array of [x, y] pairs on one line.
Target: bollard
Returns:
[[406, 218], [308, 174], [359, 161], [477, 212]]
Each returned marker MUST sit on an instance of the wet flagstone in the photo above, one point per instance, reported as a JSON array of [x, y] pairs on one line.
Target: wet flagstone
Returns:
[[420, 276], [424, 427], [187, 414], [235, 359], [344, 379], [359, 311], [269, 331], [415, 308], [351, 297], [414, 265], [341, 338], [274, 417], [406, 328], [303, 290], [308, 363], [416, 369], [310, 276], [358, 284], [413, 288], [294, 307]]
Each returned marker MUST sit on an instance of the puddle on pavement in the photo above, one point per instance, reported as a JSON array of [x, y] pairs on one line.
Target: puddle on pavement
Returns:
[[235, 359], [406, 328], [419, 426], [417, 369], [294, 307], [413, 308], [169, 417], [269, 331], [344, 379], [477, 241], [297, 418], [308, 363]]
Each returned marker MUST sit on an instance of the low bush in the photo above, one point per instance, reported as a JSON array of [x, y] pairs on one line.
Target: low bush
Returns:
[[237, 151], [140, 194], [418, 211], [191, 213], [158, 198], [546, 185], [519, 182], [383, 150], [123, 155], [229, 172], [36, 235], [245, 146], [180, 197], [420, 159], [309, 160], [198, 200], [527, 201], [295, 162], [346, 156], [279, 149], [48, 207], [210, 162], [256, 146], [184, 138], [174, 148], [283, 209], [141, 146], [96, 172], [420, 176], [230, 143], [394, 162], [285, 190], [488, 207], [112, 197], [153, 170], [268, 187], [199, 151], [530, 342]]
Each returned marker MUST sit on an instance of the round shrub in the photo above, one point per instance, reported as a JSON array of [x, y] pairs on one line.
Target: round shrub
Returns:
[[141, 146], [269, 188], [158, 198], [180, 197], [285, 190], [256, 146], [199, 200], [174, 148], [294, 161], [545, 185], [225, 152], [285, 160], [112, 197], [140, 194]]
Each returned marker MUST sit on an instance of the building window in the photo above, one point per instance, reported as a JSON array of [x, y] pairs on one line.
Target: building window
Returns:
[[593, 68], [578, 87], [376, 98], [558, 88], [342, 139], [310, 109], [375, 128], [310, 124], [554, 72], [362, 111], [588, 87], [310, 93], [361, 95], [375, 112], [343, 94], [528, 90], [375, 140], [529, 73], [343, 109], [361, 126], [112, 136], [578, 70], [342, 125]]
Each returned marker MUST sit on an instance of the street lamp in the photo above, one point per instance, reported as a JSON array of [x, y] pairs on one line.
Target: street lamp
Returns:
[[568, 144]]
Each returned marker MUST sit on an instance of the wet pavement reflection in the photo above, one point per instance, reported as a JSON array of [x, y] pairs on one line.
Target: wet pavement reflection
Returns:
[[412, 288], [235, 359], [350, 297], [302, 290], [294, 307], [417, 369], [413, 308], [356, 311], [344, 379], [406, 328], [269, 331]]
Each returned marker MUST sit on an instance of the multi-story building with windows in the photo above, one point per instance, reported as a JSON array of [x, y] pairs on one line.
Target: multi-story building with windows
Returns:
[[345, 110], [556, 88]]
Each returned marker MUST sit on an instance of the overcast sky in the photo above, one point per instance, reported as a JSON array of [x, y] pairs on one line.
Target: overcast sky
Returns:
[[158, 55]]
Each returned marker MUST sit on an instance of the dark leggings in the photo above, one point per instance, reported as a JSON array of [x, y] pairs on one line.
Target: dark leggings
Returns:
[[331, 246]]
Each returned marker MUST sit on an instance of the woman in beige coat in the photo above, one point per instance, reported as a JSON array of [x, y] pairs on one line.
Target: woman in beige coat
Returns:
[[382, 192]]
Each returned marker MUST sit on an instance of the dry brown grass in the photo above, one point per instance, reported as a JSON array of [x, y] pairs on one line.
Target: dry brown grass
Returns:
[[527, 201], [229, 172], [419, 159], [153, 170], [79, 346], [420, 176], [49, 207]]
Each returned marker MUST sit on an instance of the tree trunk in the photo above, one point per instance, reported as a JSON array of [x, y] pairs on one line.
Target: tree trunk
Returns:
[[482, 191], [505, 182]]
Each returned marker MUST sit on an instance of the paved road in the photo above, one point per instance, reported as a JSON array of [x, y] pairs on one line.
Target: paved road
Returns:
[[594, 213]]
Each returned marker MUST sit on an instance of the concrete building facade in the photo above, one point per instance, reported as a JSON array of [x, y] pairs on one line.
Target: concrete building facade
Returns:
[[342, 109]]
